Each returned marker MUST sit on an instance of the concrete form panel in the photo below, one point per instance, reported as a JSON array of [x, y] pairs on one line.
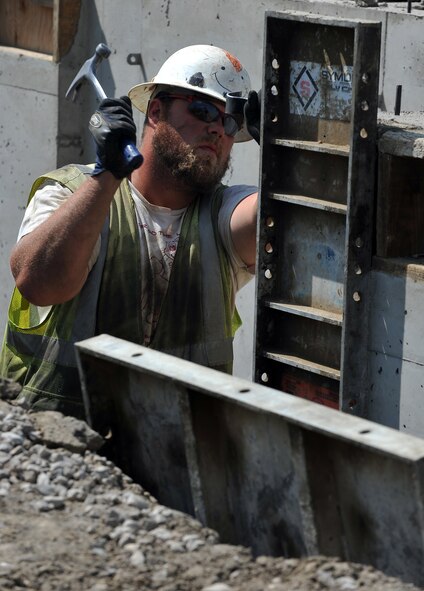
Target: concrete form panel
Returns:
[[268, 470], [28, 99], [396, 360], [404, 61], [396, 321], [397, 393], [27, 70], [246, 471]]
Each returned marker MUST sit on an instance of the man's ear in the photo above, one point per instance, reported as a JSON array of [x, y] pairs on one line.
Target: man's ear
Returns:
[[155, 109]]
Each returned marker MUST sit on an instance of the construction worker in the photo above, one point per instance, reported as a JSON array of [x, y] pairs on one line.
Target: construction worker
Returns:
[[154, 254]]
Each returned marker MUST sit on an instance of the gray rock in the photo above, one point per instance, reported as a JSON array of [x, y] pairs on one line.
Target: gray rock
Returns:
[[58, 430], [138, 559], [162, 533], [76, 494], [49, 503], [217, 587], [9, 390], [134, 500], [175, 546], [43, 485], [13, 438]]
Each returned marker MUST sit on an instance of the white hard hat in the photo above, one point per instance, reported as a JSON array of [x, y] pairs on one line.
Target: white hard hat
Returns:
[[204, 69]]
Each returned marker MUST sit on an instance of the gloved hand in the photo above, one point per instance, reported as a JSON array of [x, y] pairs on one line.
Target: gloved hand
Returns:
[[252, 114], [112, 127]]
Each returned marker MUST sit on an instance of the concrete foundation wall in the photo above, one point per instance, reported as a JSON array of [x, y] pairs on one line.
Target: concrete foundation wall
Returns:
[[40, 130], [28, 124]]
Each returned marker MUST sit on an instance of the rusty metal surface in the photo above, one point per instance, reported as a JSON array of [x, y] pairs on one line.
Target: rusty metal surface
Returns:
[[266, 469]]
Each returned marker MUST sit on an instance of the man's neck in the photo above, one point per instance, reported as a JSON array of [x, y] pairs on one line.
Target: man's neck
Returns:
[[160, 188]]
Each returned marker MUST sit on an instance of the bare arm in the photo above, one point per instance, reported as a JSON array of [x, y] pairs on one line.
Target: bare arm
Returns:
[[50, 264], [243, 229]]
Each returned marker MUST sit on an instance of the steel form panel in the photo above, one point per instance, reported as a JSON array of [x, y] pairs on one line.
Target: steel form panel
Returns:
[[315, 227], [263, 468]]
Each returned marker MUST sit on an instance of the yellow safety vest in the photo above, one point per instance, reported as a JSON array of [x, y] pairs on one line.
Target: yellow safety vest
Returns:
[[197, 320]]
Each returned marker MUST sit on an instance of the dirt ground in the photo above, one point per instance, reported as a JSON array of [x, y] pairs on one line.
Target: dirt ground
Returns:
[[61, 550], [72, 521]]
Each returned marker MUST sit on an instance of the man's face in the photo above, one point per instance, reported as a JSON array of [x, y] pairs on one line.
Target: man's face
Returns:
[[197, 153]]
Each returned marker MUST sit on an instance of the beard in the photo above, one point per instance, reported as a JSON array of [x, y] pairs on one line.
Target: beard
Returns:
[[178, 160]]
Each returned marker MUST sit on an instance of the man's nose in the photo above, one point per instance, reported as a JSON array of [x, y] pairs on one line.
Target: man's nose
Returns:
[[217, 127]]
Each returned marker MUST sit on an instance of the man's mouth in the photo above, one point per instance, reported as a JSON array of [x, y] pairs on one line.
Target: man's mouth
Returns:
[[208, 147]]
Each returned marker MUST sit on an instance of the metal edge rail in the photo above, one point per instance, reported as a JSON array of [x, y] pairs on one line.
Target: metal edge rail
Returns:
[[305, 479], [255, 396]]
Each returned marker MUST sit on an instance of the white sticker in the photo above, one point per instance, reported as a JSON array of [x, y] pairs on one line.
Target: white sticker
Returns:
[[320, 90]]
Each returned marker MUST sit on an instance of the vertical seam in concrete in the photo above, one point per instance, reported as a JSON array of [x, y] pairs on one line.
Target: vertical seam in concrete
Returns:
[[384, 53]]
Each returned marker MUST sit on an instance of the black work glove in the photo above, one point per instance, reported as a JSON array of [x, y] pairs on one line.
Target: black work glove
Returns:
[[252, 114], [113, 127]]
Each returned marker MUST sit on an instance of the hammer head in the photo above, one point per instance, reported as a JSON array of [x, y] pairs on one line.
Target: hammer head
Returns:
[[88, 73]]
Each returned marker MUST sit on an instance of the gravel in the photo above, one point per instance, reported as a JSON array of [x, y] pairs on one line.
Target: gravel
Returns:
[[71, 520]]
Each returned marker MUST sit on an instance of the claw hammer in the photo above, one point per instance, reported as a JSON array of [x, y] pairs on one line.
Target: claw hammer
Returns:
[[88, 72]]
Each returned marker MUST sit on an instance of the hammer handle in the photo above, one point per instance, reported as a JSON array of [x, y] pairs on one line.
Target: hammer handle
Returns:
[[132, 156]]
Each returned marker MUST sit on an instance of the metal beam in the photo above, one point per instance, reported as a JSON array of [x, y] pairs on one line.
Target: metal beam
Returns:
[[266, 469]]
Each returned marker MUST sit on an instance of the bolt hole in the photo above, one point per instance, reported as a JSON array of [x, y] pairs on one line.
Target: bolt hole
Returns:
[[365, 431], [359, 243], [358, 270], [352, 403], [275, 64], [270, 222], [356, 296], [136, 354], [244, 390], [363, 133], [274, 90], [365, 78], [268, 248], [274, 118], [365, 106], [264, 377], [268, 274]]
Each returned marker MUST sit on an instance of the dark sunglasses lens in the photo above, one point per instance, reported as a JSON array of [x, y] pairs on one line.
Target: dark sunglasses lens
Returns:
[[204, 111], [230, 126], [209, 113]]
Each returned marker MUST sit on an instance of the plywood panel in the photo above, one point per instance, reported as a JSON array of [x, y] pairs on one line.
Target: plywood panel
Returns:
[[27, 25]]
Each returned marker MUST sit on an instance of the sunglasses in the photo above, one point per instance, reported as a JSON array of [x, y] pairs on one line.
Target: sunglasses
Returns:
[[206, 111]]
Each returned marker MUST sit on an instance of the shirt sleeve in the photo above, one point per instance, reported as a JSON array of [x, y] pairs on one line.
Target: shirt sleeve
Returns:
[[44, 202], [232, 197]]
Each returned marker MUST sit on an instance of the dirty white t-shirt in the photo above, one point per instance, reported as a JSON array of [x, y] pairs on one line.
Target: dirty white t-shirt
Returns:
[[159, 229]]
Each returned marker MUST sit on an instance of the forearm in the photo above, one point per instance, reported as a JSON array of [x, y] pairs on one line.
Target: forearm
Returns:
[[243, 229], [50, 265]]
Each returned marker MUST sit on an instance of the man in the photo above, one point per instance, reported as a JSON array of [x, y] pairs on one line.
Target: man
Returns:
[[153, 254]]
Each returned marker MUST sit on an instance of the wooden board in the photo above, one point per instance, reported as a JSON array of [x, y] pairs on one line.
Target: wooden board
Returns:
[[27, 25]]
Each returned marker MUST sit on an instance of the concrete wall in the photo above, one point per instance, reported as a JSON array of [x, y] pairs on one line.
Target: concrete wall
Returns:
[[28, 99], [34, 112]]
